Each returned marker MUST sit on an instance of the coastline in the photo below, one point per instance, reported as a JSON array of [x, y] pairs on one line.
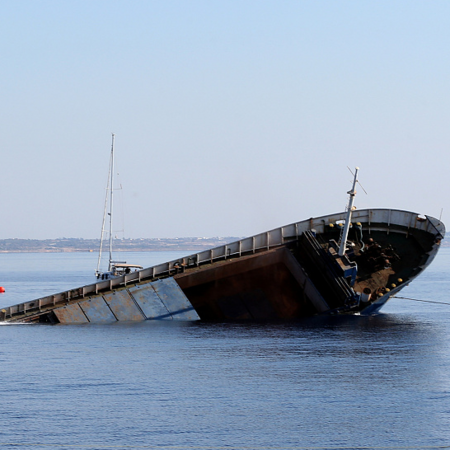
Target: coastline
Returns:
[[71, 245], [76, 245]]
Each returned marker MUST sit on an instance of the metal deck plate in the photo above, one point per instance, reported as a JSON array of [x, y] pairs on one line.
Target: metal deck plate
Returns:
[[149, 302], [174, 299], [70, 314], [97, 311], [123, 306]]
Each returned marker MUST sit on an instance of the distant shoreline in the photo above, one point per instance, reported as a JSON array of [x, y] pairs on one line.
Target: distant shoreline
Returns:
[[75, 245], [72, 245]]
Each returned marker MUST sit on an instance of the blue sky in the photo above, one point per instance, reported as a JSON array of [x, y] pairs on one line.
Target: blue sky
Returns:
[[231, 117]]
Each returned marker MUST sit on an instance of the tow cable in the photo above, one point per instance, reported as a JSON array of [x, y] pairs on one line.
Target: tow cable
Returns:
[[424, 301]]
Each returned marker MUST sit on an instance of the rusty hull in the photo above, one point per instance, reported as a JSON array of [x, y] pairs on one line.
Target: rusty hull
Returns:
[[249, 288]]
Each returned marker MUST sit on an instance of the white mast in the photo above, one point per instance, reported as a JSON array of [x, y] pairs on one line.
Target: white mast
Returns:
[[111, 205], [348, 219], [109, 188]]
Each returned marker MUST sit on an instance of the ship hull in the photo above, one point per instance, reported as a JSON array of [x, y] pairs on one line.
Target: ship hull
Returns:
[[283, 274]]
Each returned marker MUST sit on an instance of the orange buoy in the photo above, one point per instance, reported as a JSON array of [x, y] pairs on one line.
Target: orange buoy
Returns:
[[2, 289]]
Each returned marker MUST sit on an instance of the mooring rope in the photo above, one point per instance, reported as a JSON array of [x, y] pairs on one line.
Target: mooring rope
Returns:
[[420, 300]]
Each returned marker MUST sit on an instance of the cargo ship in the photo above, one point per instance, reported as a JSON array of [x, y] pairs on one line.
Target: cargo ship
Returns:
[[351, 262]]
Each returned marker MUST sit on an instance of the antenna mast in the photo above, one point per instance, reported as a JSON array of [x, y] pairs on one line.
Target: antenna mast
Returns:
[[348, 219]]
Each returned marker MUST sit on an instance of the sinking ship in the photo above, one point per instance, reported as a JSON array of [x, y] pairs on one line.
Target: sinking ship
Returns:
[[346, 263]]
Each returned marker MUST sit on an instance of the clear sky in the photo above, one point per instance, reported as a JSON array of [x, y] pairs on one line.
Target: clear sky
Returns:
[[231, 117]]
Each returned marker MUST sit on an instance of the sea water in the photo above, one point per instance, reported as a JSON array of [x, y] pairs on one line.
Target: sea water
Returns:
[[323, 383]]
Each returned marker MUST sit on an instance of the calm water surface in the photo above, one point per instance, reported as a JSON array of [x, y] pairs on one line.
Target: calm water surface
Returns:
[[327, 383]]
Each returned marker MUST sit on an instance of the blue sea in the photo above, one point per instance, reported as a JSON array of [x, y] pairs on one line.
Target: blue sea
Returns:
[[380, 382]]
